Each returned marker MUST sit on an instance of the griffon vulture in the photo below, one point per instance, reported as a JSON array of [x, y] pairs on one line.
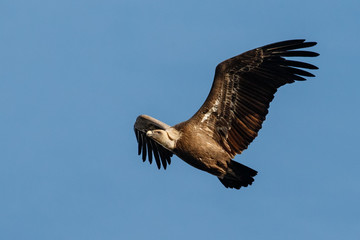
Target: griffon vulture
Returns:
[[230, 117]]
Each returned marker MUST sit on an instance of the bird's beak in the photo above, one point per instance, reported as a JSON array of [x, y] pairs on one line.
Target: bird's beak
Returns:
[[149, 133]]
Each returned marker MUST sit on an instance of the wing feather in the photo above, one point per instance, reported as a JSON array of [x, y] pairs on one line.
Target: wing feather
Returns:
[[147, 147], [243, 88]]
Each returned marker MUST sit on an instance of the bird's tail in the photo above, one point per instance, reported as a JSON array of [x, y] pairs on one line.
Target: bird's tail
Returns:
[[238, 176]]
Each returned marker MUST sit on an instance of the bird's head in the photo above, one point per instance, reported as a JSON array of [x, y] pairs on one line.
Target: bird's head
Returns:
[[166, 138]]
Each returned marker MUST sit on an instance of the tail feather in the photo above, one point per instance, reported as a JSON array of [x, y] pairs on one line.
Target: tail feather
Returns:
[[238, 176]]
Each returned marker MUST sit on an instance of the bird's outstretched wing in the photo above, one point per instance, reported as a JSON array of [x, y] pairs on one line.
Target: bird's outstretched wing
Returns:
[[148, 146], [243, 88]]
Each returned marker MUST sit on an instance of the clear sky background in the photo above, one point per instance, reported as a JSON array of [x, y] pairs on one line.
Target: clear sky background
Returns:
[[74, 75]]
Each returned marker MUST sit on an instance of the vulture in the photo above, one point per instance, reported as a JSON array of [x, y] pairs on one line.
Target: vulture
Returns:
[[231, 116]]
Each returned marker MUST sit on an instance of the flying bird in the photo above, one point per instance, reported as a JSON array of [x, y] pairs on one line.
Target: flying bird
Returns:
[[231, 116]]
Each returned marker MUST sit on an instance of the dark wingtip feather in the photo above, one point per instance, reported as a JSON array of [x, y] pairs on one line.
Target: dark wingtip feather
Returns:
[[149, 148], [300, 72], [138, 138], [156, 152], [288, 45], [162, 156], [168, 159], [298, 78], [164, 164], [310, 44], [296, 54], [281, 44], [299, 64], [143, 148], [158, 164]]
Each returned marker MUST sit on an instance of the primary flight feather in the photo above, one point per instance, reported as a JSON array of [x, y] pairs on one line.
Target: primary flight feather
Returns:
[[231, 116]]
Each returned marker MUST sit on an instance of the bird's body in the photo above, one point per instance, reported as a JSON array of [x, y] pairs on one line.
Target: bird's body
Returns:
[[208, 156], [231, 116]]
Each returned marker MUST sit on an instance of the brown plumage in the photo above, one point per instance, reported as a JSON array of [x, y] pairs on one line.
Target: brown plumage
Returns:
[[232, 115]]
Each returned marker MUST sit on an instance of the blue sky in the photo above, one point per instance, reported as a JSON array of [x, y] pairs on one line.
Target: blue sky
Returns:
[[74, 75]]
